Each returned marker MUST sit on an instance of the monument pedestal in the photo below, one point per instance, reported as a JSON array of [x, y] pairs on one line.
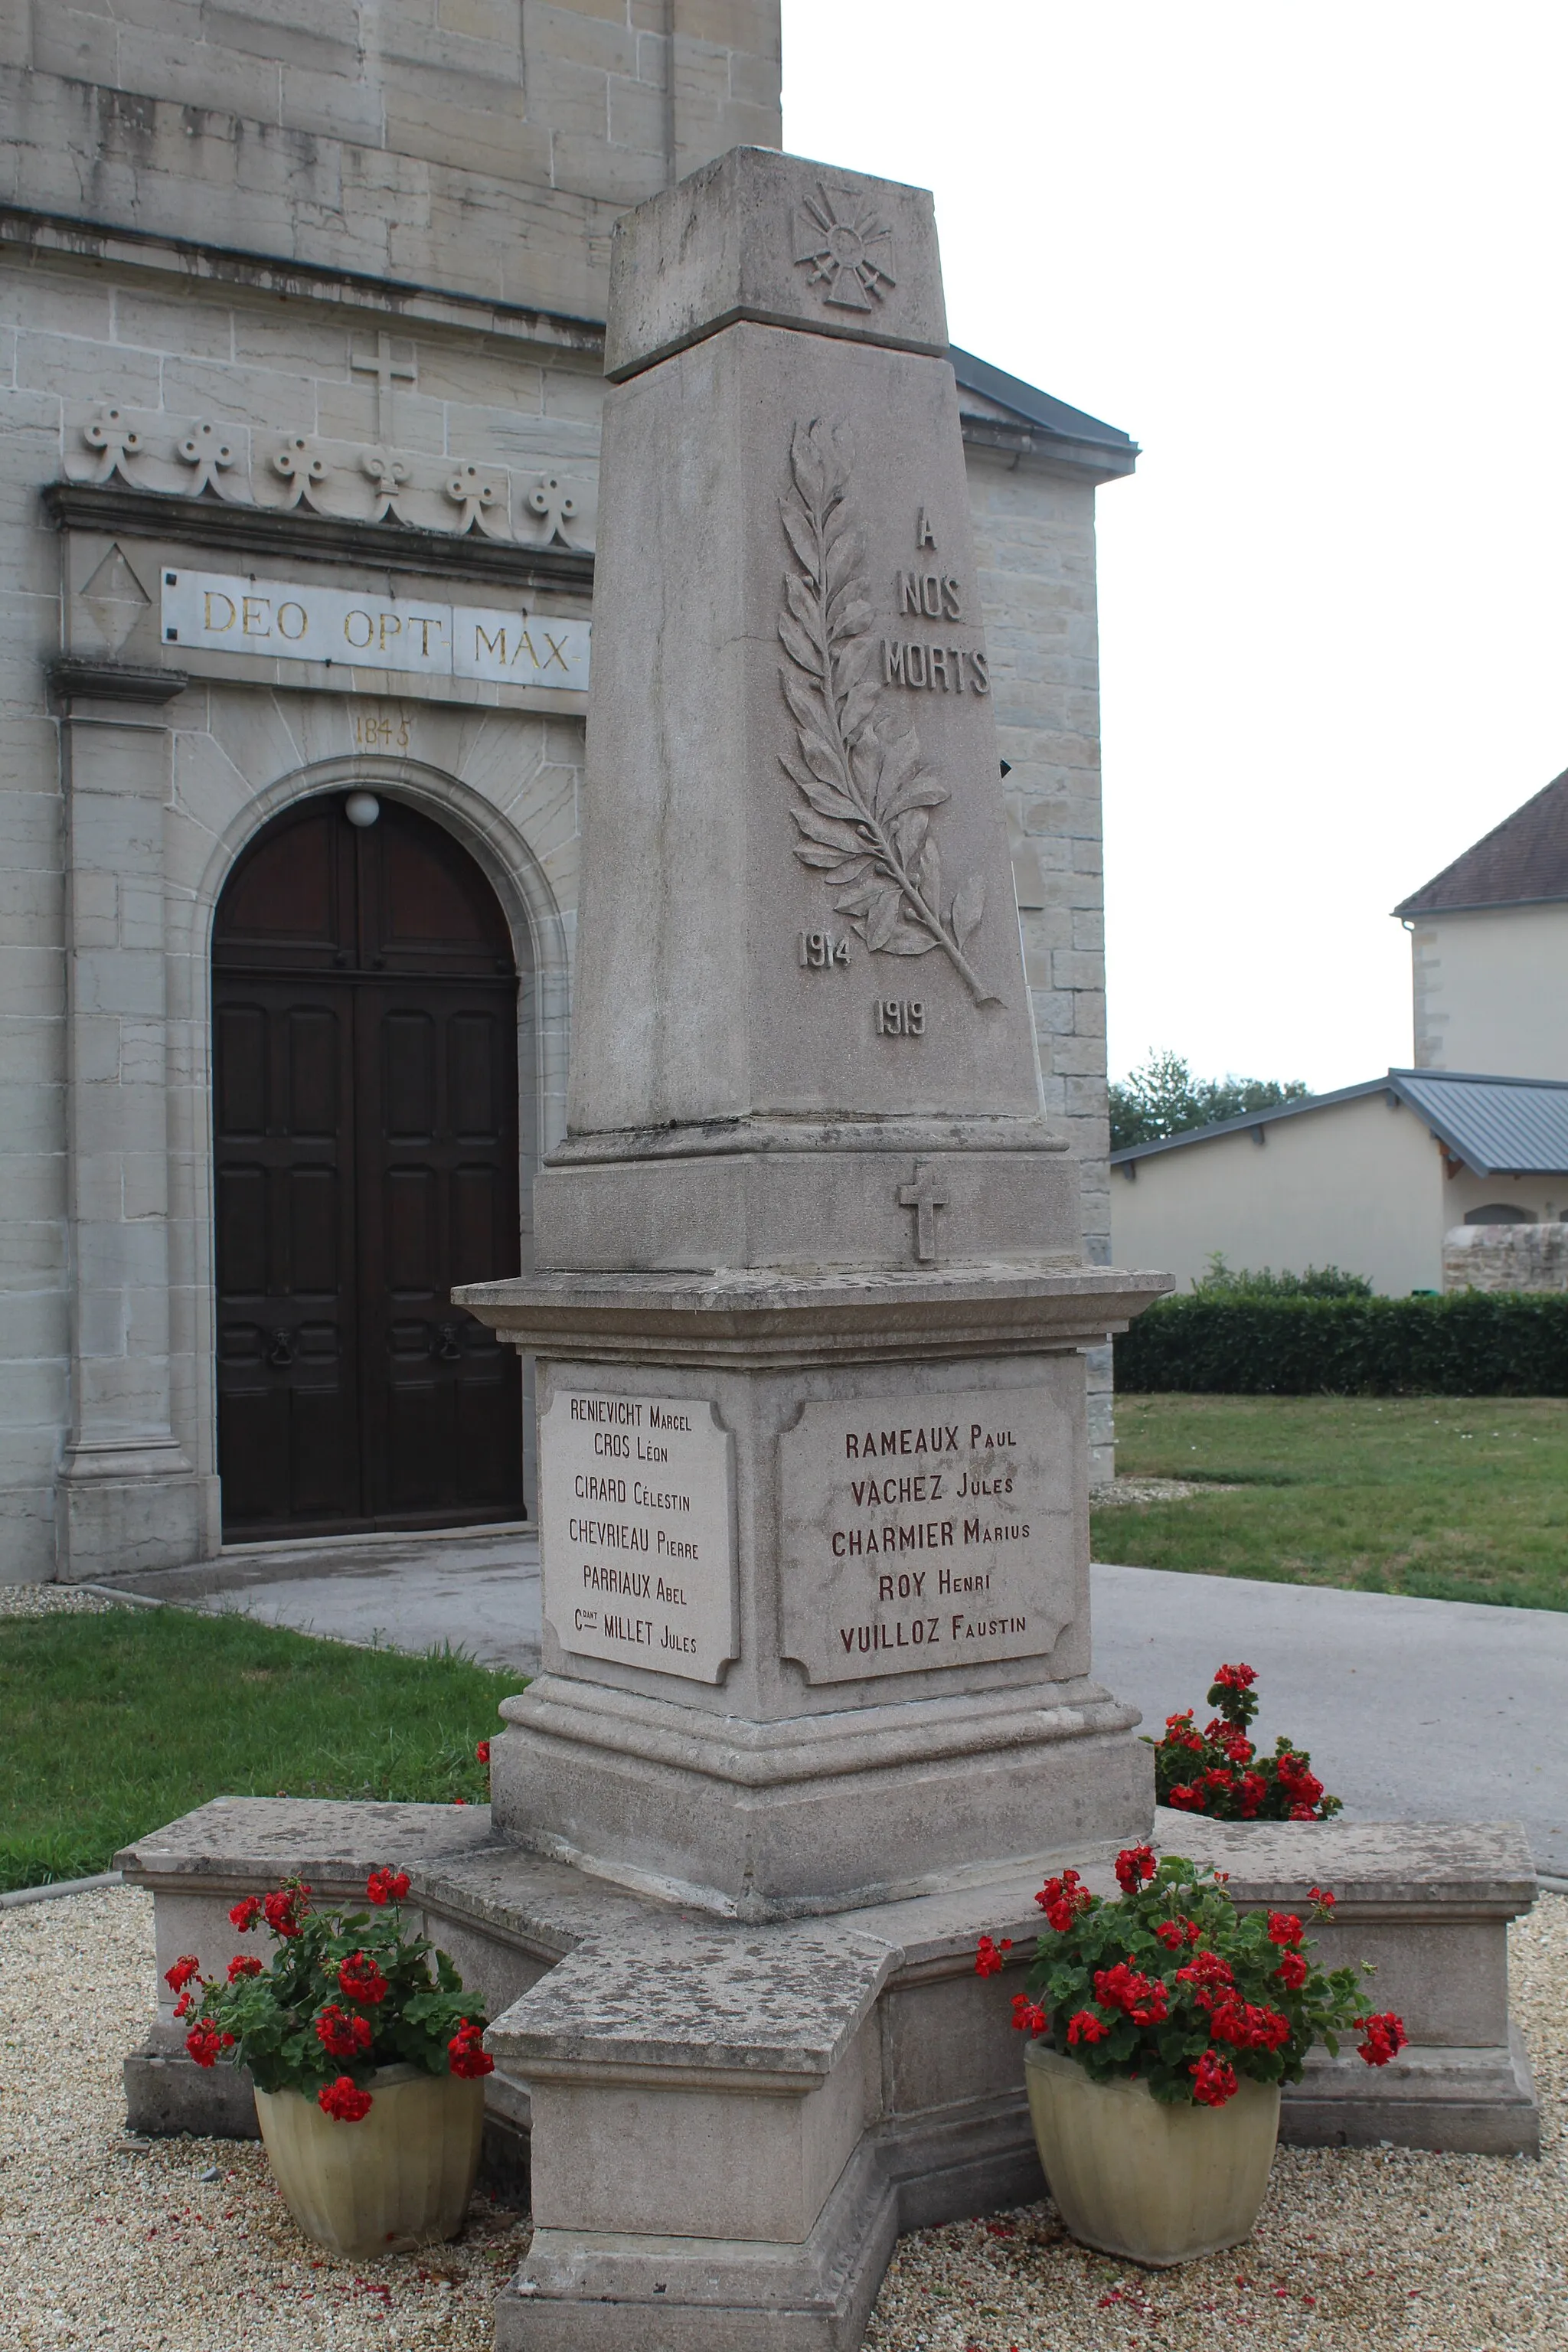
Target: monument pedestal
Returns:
[[815, 1556]]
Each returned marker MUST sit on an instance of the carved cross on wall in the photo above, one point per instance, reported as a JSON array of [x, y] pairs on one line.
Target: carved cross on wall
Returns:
[[390, 363], [925, 1196]]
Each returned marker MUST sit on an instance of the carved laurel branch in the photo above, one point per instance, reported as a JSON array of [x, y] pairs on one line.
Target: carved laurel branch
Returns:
[[867, 795]]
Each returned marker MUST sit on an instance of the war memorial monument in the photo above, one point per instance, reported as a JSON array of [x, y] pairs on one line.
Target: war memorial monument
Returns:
[[808, 1307]]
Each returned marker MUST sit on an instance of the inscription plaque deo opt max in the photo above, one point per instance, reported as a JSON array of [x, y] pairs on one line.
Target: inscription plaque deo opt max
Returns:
[[637, 1522], [924, 1531]]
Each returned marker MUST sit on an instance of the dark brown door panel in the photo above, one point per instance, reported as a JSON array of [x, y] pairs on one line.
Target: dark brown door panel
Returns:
[[366, 1161]]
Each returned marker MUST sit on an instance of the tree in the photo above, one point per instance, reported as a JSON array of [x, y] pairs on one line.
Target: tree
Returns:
[[1165, 1098]]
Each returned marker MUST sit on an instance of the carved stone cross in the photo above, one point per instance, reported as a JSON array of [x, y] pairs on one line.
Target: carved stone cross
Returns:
[[925, 1197], [388, 368]]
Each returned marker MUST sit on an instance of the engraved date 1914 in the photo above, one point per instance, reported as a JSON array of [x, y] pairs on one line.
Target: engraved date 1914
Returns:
[[821, 950], [900, 1016]]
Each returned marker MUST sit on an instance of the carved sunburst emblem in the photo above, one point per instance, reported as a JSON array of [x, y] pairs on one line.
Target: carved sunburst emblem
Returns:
[[847, 250]]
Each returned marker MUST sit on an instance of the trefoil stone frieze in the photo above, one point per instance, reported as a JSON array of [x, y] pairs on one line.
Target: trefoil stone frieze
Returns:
[[206, 459]]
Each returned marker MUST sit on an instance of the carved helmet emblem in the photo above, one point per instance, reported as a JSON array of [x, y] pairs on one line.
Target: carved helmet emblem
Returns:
[[847, 251]]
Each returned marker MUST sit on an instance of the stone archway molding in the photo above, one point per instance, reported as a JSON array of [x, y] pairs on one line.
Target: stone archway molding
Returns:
[[148, 859]]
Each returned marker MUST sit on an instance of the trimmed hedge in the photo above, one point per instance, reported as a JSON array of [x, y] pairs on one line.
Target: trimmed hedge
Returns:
[[1471, 1343]]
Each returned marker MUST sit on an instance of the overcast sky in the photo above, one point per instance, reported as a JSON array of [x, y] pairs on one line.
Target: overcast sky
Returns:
[[1312, 259]]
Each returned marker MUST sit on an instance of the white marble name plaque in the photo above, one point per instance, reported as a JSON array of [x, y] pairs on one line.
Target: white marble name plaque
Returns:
[[925, 1531], [210, 612], [637, 1531]]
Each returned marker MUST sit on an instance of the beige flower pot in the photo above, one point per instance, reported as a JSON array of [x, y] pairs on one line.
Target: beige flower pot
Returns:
[[1161, 2185], [401, 2177]]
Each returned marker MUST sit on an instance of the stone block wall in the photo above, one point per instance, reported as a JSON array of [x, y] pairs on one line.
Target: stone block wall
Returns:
[[1035, 541], [1506, 1258], [478, 146]]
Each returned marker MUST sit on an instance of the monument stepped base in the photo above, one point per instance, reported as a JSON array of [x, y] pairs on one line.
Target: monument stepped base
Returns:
[[728, 2125]]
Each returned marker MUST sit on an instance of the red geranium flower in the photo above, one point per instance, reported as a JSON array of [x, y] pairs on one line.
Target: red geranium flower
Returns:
[[1284, 1927], [988, 1959], [1209, 1976], [1213, 2080], [1087, 2027], [1062, 1899], [1254, 1788], [386, 1885], [246, 1913], [359, 1976], [240, 1966], [1185, 1798], [1291, 1971], [1234, 1677], [482, 1752], [204, 2043], [1319, 1897], [469, 2055], [1134, 1865], [1028, 2017], [1246, 2027], [1382, 2038], [283, 1908], [1141, 1998], [341, 2035], [184, 1969], [344, 2099]]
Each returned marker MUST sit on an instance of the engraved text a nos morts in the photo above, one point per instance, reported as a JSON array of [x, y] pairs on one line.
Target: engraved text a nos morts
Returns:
[[865, 794]]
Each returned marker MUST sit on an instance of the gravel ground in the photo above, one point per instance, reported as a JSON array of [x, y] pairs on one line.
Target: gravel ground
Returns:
[[122, 2244], [1354, 2247], [1154, 1490], [55, 1600]]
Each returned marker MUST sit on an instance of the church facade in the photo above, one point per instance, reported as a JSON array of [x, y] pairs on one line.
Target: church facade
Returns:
[[299, 388]]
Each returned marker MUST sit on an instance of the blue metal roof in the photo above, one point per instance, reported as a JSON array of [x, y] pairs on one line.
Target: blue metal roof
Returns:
[[1498, 1126]]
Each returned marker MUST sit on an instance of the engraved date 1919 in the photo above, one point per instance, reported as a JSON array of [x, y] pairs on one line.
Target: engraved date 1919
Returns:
[[900, 1016], [820, 950]]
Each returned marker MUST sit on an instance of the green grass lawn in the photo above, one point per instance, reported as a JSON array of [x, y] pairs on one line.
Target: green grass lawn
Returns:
[[1453, 1498], [111, 1725]]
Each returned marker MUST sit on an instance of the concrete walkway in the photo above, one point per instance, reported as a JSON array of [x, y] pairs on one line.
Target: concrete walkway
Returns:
[[476, 1591], [1433, 1709], [1442, 1710]]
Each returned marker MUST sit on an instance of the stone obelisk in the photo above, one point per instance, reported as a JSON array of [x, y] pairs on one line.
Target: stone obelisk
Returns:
[[808, 1303]]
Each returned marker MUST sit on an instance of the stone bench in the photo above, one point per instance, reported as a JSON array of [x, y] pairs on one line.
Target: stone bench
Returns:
[[729, 2124]]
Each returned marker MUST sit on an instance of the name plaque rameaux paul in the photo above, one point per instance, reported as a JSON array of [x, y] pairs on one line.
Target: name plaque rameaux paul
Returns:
[[272, 620], [923, 1531], [636, 1524]]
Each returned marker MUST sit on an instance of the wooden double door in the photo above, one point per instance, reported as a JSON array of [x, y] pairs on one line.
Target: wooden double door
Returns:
[[366, 1134]]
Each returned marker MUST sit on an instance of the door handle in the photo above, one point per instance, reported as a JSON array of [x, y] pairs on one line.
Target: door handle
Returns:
[[281, 1351], [450, 1352]]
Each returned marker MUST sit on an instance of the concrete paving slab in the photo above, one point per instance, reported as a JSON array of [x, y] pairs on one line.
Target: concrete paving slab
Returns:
[[1437, 1711]]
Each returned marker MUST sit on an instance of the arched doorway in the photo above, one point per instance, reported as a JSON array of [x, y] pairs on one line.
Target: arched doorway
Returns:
[[365, 1160]]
